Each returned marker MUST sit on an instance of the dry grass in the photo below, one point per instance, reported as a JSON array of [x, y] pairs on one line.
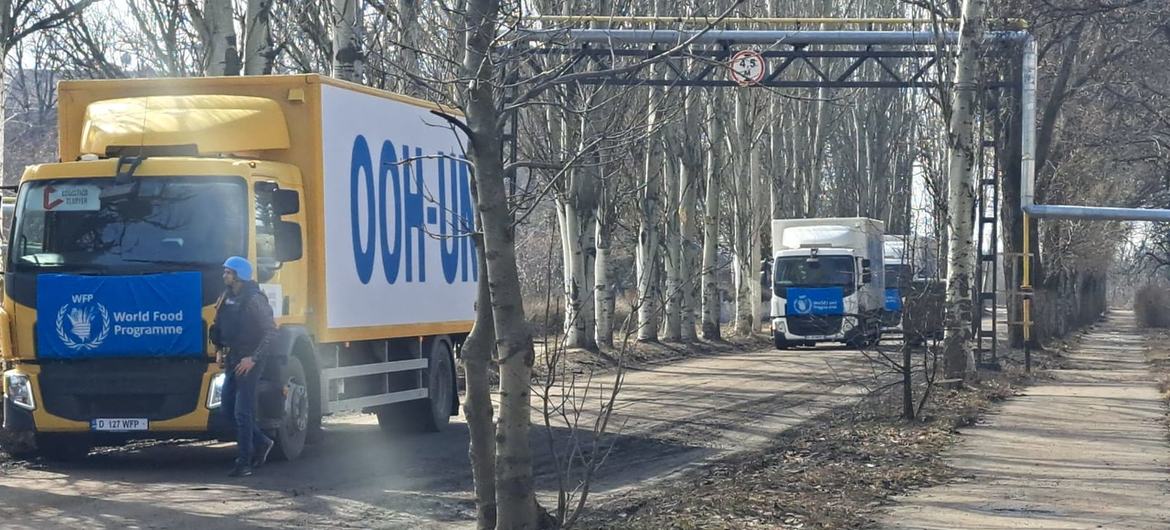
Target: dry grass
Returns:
[[1151, 306], [834, 471]]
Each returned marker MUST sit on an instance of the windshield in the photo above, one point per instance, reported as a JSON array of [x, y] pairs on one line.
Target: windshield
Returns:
[[99, 224], [897, 276], [821, 271]]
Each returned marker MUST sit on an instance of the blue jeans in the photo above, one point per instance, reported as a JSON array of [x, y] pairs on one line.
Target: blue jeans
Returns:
[[239, 400]]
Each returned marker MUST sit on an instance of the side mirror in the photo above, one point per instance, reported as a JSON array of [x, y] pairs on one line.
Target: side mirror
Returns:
[[285, 202], [288, 241], [866, 271]]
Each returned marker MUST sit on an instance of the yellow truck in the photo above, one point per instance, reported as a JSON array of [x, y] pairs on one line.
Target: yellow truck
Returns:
[[353, 203]]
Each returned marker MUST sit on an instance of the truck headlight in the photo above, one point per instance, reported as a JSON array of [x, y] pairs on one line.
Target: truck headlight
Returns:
[[215, 393], [18, 388], [848, 323], [778, 325]]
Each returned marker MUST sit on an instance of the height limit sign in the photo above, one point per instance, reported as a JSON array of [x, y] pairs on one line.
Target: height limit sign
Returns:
[[747, 68]]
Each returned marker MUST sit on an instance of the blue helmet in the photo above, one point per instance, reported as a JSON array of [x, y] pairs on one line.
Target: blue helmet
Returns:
[[242, 267]]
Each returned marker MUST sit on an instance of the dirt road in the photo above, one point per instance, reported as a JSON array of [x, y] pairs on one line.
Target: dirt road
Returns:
[[671, 417], [1086, 450]]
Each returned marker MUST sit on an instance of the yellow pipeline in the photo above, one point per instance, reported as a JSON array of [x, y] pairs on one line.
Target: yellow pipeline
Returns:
[[1026, 282], [734, 21]]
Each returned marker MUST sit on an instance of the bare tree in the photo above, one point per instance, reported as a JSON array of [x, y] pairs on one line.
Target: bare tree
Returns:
[[347, 48], [259, 51], [959, 358], [221, 53]]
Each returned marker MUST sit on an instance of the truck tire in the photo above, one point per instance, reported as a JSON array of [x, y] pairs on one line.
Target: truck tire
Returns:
[[778, 340], [432, 414], [294, 425], [63, 447]]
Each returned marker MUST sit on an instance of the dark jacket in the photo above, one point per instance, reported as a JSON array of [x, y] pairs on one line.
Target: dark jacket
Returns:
[[244, 324]]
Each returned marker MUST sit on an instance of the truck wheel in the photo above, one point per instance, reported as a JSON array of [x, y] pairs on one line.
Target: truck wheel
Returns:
[[434, 413], [779, 341], [294, 426], [63, 447]]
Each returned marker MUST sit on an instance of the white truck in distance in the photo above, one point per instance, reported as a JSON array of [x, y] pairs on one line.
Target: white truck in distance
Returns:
[[823, 285]]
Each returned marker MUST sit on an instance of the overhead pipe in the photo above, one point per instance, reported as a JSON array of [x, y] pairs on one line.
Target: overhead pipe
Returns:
[[1028, 163], [756, 21], [763, 36]]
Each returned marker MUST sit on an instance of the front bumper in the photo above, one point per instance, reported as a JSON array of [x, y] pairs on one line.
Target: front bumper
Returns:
[[836, 328], [170, 394]]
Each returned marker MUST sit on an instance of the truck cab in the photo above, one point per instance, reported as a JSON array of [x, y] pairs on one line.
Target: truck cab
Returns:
[[111, 282], [825, 284]]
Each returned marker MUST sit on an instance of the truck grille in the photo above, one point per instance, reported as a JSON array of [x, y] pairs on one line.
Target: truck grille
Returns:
[[814, 325], [151, 389]]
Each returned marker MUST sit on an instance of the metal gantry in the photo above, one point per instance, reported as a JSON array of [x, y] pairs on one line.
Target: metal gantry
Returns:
[[804, 59]]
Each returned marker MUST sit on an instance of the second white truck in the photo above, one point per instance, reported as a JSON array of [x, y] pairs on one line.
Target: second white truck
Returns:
[[824, 286]]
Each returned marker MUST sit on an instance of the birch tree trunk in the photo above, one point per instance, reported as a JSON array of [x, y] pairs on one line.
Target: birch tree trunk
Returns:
[[744, 308], [758, 223], [516, 501], [957, 355], [223, 57], [603, 293], [258, 46], [674, 256], [347, 49], [711, 299], [647, 254], [408, 41], [690, 168]]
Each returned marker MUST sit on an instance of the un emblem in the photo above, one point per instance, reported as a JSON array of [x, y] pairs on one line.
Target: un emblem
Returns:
[[803, 305], [83, 326]]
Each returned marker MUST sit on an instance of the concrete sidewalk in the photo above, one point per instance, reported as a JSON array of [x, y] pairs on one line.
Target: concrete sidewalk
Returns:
[[1087, 450]]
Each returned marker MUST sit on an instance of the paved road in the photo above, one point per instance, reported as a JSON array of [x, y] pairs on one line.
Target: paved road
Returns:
[[1088, 450], [670, 417]]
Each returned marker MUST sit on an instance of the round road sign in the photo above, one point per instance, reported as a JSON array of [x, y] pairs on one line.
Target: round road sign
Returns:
[[747, 67]]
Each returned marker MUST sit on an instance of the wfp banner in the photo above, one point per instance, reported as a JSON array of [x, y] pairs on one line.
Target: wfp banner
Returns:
[[893, 299], [817, 301], [151, 315]]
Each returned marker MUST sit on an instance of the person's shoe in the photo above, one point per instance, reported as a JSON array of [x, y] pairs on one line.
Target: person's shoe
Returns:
[[262, 454], [241, 471]]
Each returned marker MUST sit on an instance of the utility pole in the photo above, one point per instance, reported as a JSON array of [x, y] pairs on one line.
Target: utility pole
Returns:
[[957, 355]]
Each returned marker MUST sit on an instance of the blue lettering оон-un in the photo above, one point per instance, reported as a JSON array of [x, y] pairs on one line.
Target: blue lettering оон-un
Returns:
[[156, 315], [893, 299], [815, 301], [401, 212]]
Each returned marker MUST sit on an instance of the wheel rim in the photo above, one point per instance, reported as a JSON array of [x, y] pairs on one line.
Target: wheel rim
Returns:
[[297, 405]]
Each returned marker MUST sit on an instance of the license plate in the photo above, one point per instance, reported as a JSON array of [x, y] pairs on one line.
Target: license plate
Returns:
[[814, 337], [119, 424]]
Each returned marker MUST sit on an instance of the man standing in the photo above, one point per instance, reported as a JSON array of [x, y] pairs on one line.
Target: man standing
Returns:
[[241, 333]]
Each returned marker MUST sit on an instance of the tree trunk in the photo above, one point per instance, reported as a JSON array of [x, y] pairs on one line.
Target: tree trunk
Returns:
[[759, 222], [408, 41], [674, 255], [711, 298], [516, 501], [347, 49], [223, 57], [477, 404], [745, 309], [577, 205], [603, 294], [647, 254], [690, 168], [258, 46], [957, 355]]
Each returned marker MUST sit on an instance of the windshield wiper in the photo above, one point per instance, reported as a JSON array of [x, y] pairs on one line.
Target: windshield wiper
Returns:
[[173, 262]]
